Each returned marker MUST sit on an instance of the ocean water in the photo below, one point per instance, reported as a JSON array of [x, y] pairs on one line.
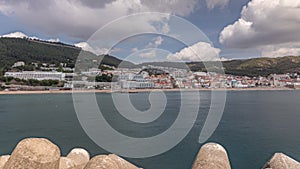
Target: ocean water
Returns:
[[255, 124]]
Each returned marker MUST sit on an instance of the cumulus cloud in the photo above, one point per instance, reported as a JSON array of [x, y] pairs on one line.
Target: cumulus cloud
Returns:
[[69, 17], [211, 4], [149, 51], [15, 35], [80, 18], [134, 50], [151, 54], [272, 26], [264, 22], [87, 47], [289, 49], [200, 51], [281, 52], [156, 42], [54, 40], [178, 7], [22, 35]]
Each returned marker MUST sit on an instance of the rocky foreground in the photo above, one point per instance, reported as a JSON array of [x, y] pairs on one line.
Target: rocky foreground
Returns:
[[39, 153]]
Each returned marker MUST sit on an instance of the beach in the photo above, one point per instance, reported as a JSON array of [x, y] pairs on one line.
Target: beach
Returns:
[[140, 90]]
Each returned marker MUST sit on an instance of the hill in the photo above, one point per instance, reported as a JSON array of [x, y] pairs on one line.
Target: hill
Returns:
[[256, 66], [247, 67], [29, 50]]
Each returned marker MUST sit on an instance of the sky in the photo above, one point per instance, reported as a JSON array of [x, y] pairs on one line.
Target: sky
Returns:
[[189, 30]]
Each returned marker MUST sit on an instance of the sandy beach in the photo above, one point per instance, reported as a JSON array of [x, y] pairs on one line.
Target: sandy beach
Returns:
[[136, 90]]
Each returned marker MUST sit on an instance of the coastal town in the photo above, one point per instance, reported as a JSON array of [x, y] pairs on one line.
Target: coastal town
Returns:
[[61, 77]]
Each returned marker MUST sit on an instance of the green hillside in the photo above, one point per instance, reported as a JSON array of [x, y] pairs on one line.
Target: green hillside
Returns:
[[247, 67], [263, 66], [15, 49], [27, 50]]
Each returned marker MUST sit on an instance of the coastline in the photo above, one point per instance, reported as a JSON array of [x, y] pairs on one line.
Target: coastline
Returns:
[[139, 90]]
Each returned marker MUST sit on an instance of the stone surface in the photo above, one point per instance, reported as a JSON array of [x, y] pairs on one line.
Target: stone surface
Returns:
[[212, 156], [39, 153], [122, 164], [109, 162], [282, 161], [3, 160], [66, 163], [101, 162], [34, 153], [80, 157]]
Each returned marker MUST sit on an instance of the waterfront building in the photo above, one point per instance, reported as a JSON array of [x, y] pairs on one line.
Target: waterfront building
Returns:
[[26, 75], [137, 85]]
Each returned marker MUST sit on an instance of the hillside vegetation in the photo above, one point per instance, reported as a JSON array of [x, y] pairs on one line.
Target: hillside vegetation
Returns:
[[16, 49], [263, 66]]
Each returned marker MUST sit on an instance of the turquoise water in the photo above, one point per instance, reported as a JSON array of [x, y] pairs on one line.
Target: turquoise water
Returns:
[[255, 124]]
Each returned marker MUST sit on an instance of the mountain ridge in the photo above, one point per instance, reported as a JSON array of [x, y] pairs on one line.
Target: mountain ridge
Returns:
[[32, 50]]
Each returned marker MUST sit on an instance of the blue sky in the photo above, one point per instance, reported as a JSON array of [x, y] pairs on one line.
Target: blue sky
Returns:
[[235, 28]]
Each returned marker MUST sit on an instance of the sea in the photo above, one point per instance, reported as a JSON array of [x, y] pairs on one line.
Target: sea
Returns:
[[254, 125]]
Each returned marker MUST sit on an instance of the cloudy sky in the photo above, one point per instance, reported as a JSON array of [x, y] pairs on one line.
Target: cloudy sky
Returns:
[[234, 28]]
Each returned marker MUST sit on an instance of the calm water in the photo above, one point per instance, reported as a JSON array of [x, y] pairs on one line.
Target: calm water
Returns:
[[255, 124]]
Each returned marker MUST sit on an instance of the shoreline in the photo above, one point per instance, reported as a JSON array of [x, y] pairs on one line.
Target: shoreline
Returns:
[[138, 90]]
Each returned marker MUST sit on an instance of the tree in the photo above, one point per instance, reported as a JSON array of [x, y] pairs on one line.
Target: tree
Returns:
[[103, 78]]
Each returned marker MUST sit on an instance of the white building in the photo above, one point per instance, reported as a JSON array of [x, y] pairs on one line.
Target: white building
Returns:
[[134, 81], [36, 75], [137, 85], [18, 64]]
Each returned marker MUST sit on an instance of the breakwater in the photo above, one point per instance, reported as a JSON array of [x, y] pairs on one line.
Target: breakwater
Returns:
[[40, 153]]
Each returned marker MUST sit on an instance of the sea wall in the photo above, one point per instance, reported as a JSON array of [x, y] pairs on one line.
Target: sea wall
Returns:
[[39, 153]]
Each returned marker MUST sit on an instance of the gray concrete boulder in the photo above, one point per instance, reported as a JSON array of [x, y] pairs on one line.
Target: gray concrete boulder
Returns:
[[3, 160], [80, 157], [282, 161], [109, 162], [212, 156], [66, 163], [34, 153]]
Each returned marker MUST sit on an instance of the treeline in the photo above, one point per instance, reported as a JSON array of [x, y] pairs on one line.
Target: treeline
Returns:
[[30, 82], [16, 49], [247, 67], [31, 51], [13, 50], [104, 78]]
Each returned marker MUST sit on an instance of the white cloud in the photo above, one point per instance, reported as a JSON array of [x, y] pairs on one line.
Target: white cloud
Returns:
[[150, 54], [178, 7], [200, 51], [15, 35], [272, 26], [69, 17], [149, 51], [281, 52], [156, 42], [134, 50], [54, 40], [264, 22], [85, 46], [211, 4], [289, 49], [22, 35], [80, 18]]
